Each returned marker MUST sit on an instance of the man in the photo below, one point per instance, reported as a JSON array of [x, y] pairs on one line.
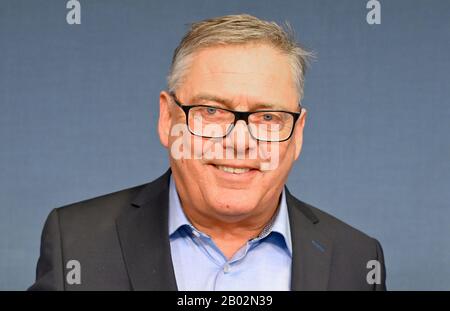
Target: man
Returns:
[[221, 218]]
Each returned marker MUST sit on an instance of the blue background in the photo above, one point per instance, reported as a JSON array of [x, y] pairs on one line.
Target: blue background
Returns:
[[79, 104]]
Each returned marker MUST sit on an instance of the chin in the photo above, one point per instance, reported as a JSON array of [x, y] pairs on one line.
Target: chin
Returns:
[[233, 206]]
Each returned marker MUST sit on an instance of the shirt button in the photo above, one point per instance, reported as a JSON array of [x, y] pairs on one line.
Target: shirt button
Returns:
[[226, 268]]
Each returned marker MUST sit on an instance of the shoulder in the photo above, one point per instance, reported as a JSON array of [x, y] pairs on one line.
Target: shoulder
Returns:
[[353, 252], [98, 213], [341, 233], [98, 210], [339, 229]]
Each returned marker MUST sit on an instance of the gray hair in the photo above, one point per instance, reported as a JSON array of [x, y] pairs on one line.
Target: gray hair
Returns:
[[238, 30]]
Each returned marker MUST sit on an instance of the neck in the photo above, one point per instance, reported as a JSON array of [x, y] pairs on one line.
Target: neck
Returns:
[[230, 233]]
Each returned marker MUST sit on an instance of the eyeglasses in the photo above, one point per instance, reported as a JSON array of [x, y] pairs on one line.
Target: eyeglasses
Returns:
[[214, 122]]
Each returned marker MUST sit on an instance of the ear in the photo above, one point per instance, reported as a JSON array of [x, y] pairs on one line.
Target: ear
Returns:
[[165, 118], [298, 133]]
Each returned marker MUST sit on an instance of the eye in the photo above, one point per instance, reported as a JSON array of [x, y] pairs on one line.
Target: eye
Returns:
[[267, 117], [211, 110]]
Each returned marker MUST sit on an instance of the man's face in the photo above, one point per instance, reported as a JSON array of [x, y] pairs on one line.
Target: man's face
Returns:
[[244, 78]]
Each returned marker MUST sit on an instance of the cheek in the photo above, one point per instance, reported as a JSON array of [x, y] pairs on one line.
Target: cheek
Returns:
[[276, 156], [289, 156], [279, 174], [186, 153], [182, 145]]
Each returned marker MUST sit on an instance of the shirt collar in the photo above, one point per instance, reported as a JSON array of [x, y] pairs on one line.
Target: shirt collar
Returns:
[[178, 219]]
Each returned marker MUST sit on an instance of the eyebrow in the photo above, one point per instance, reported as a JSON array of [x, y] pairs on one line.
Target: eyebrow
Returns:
[[229, 103]]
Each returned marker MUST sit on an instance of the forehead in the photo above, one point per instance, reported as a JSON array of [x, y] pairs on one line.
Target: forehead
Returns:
[[242, 74]]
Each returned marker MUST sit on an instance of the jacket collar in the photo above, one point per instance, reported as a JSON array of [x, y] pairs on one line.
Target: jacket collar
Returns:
[[312, 249], [144, 238]]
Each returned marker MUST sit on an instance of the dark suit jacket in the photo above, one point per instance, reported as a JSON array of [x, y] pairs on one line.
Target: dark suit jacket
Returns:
[[121, 241]]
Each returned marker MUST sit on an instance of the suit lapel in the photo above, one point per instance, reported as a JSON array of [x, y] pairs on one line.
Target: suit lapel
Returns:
[[144, 238], [311, 249]]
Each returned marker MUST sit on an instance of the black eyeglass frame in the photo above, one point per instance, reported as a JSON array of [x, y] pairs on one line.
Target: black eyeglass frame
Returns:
[[238, 115]]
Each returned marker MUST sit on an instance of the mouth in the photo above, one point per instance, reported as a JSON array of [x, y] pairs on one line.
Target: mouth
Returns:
[[235, 175], [235, 170]]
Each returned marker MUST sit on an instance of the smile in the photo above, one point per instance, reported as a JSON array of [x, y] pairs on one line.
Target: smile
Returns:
[[233, 170]]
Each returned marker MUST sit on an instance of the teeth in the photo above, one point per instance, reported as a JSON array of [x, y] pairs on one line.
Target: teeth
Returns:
[[232, 170]]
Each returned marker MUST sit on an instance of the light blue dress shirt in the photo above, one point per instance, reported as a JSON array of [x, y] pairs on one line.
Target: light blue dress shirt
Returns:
[[264, 263]]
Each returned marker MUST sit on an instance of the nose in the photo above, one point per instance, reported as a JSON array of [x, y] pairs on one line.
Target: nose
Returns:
[[239, 141]]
